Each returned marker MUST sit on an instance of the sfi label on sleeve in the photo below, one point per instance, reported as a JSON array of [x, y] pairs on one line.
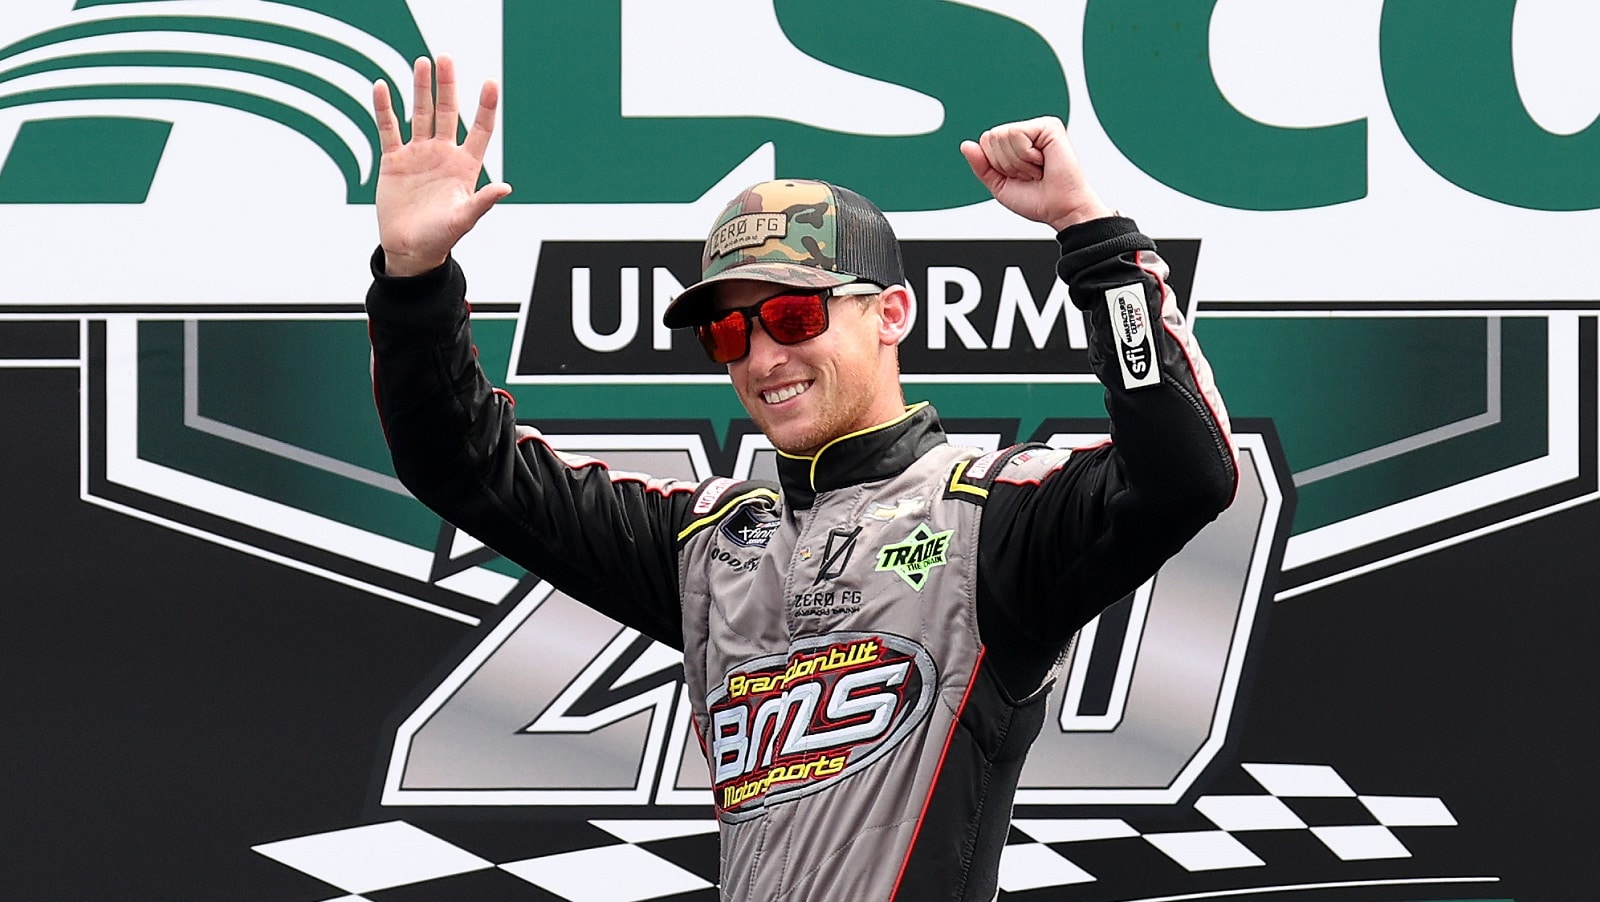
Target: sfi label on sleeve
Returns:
[[1136, 341]]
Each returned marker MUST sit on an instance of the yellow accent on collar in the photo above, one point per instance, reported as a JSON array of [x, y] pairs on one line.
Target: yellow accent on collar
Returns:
[[811, 477]]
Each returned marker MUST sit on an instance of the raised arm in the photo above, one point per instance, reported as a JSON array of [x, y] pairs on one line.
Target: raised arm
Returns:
[[1066, 533], [427, 187], [607, 538]]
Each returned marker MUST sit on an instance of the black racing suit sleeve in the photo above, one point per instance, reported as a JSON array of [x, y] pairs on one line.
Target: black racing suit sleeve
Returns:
[[1054, 553], [608, 539]]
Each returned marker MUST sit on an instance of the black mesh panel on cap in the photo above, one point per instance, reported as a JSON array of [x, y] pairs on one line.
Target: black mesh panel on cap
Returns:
[[867, 245]]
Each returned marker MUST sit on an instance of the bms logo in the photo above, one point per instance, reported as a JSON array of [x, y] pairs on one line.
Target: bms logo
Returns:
[[786, 726]]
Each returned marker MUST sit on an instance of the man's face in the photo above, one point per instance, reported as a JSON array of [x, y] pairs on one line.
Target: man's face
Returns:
[[804, 395]]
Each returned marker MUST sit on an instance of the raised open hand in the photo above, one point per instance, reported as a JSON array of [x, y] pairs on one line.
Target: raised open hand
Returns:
[[427, 187], [1031, 169]]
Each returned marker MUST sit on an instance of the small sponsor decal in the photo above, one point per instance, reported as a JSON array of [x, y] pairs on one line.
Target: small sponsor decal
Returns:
[[980, 467], [713, 494], [750, 527], [789, 725], [735, 563], [1136, 343], [749, 230], [886, 512], [841, 544], [913, 558], [825, 602]]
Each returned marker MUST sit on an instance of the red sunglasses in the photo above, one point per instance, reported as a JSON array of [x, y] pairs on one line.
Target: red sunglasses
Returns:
[[788, 318]]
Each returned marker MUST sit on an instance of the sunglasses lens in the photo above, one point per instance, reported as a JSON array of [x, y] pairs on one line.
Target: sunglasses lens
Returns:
[[793, 318], [724, 338]]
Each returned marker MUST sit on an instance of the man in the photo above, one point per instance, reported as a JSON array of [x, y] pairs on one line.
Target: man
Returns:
[[869, 643]]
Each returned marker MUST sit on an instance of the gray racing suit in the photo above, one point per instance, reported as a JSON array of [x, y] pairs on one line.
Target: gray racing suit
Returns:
[[867, 643]]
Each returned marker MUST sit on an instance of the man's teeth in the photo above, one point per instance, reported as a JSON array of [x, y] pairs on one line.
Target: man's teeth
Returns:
[[784, 394]]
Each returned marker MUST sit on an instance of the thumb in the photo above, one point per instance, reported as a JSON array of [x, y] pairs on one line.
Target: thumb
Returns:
[[981, 168], [485, 198]]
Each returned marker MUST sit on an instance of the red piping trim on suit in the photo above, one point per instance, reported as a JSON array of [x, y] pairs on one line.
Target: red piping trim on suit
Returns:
[[377, 402], [943, 753], [1183, 346], [615, 479], [694, 723]]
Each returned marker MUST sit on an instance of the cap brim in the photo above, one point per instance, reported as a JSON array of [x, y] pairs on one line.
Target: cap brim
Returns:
[[693, 306]]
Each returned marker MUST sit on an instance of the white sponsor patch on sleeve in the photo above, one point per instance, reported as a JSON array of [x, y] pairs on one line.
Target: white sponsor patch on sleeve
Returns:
[[1134, 338], [980, 467], [713, 493]]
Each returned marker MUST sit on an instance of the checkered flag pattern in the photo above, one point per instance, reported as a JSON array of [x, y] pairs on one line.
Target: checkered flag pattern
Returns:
[[676, 859], [1045, 855], [397, 860]]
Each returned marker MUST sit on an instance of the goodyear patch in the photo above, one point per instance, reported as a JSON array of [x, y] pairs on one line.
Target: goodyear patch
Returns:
[[915, 557]]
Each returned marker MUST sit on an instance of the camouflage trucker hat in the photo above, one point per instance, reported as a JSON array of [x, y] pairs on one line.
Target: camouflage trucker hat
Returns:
[[793, 232]]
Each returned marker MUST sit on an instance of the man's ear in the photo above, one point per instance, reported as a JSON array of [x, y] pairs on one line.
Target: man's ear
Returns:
[[897, 312]]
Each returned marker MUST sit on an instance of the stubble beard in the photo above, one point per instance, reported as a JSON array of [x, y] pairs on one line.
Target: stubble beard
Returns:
[[833, 416]]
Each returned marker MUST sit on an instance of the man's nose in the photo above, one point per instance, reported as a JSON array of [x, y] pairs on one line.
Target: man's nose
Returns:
[[766, 355]]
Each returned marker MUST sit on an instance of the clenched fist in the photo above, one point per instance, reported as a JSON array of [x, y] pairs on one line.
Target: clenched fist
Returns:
[[1031, 169]]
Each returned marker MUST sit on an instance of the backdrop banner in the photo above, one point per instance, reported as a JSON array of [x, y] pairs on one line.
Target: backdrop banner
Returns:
[[239, 661]]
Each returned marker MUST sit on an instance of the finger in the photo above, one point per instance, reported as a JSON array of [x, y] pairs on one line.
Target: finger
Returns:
[[422, 104], [1015, 149], [1050, 137], [383, 109], [1026, 156], [1029, 153], [477, 142], [978, 160], [447, 116], [483, 201], [1012, 150], [996, 148], [986, 143]]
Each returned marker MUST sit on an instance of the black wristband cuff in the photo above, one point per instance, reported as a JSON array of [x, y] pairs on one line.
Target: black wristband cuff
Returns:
[[425, 302], [1088, 243]]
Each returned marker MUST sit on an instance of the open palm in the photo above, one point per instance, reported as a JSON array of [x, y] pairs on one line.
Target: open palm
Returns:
[[427, 196]]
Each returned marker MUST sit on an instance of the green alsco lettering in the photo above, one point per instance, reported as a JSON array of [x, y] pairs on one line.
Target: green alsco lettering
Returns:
[[567, 142], [1148, 66], [1448, 68]]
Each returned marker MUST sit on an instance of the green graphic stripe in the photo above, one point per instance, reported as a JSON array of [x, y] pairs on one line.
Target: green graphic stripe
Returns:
[[1520, 436], [336, 393], [281, 35], [320, 134], [84, 160], [306, 81]]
